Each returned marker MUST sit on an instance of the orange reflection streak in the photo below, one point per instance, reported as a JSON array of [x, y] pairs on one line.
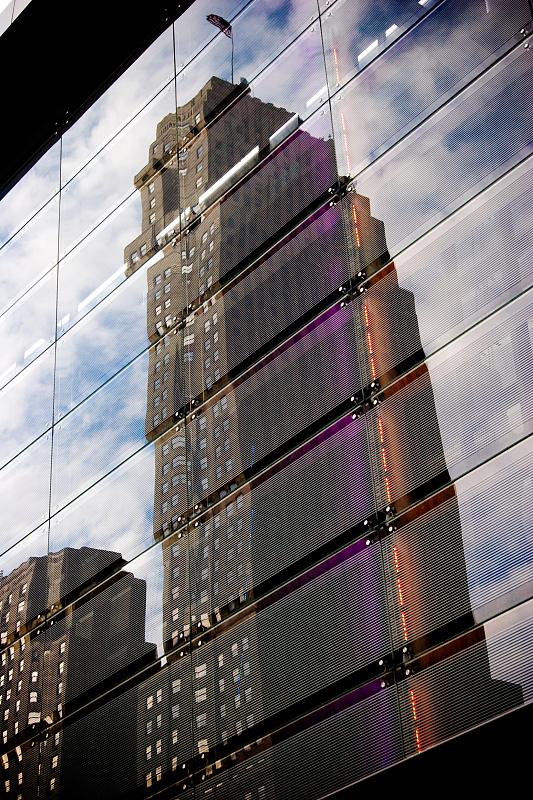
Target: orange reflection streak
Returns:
[[415, 719], [399, 588], [345, 143], [336, 62], [367, 325], [381, 435], [384, 459], [358, 243]]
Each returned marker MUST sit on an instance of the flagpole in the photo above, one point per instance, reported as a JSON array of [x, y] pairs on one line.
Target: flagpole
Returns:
[[224, 26]]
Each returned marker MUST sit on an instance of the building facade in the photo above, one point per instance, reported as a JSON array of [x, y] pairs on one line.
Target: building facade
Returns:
[[54, 655], [281, 371]]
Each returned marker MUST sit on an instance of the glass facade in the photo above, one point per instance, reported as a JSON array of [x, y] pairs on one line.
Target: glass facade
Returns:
[[265, 409]]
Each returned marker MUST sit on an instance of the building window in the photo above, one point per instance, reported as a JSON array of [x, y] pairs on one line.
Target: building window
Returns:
[[200, 695], [151, 188], [149, 752], [151, 218], [200, 671], [149, 702], [152, 202]]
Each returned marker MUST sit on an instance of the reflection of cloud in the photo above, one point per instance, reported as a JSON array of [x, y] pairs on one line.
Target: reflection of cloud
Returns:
[[283, 21], [494, 505], [27, 328], [484, 249], [108, 178], [26, 406], [100, 433], [118, 511], [465, 142], [30, 254], [24, 492], [29, 194], [102, 343], [119, 104]]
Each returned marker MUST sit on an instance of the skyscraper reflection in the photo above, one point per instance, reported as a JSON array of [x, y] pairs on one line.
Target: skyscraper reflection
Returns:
[[211, 208]]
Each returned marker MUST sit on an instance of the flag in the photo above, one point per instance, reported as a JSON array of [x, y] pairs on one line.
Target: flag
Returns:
[[220, 22]]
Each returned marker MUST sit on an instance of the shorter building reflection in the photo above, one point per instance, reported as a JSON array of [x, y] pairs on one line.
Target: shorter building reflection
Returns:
[[59, 657]]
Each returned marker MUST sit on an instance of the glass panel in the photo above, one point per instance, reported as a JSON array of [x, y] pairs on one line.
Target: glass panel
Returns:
[[26, 406], [264, 205], [277, 83], [117, 513], [221, 140], [100, 433], [96, 266], [462, 555], [96, 348], [480, 256], [478, 135], [25, 491], [29, 255], [30, 193], [139, 717], [329, 753], [28, 328], [118, 105], [494, 506], [468, 404], [280, 521], [472, 685], [266, 663], [254, 312], [419, 73], [260, 31], [108, 179], [108, 627], [311, 376]]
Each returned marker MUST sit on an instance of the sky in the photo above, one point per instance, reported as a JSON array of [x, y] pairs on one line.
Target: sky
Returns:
[[417, 176]]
